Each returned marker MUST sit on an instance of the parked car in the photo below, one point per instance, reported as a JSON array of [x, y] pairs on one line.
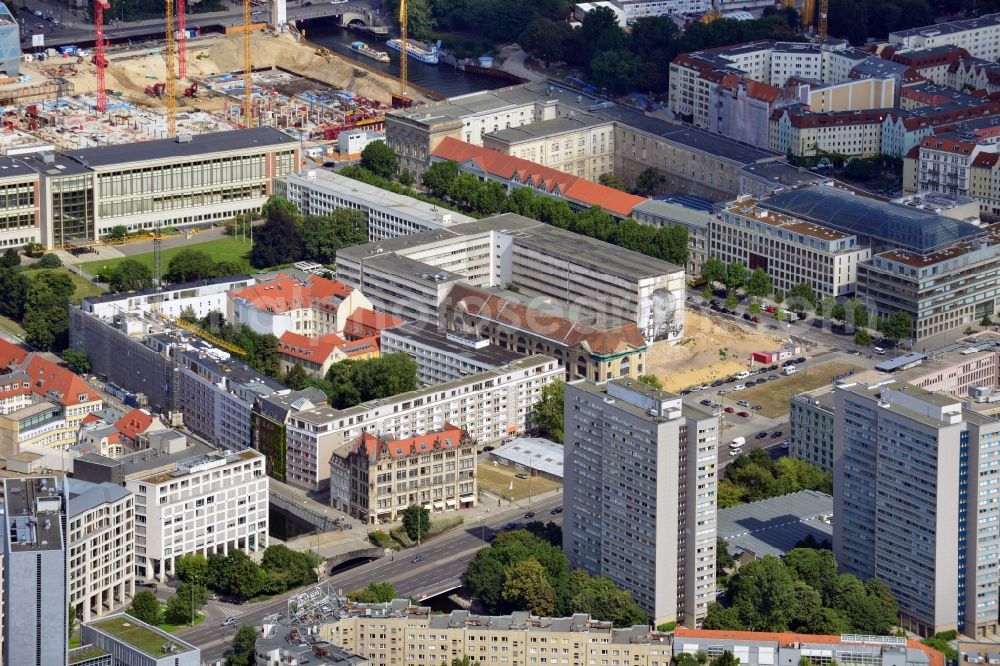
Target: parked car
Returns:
[[800, 360], [747, 316], [772, 367], [521, 475], [756, 319], [784, 445], [706, 402], [556, 510], [743, 403], [739, 387], [743, 414], [788, 363], [760, 435], [729, 410], [530, 514], [510, 526], [770, 309], [735, 452], [776, 434]]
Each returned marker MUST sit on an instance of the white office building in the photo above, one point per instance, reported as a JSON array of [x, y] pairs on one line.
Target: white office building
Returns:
[[101, 547], [640, 495], [444, 356], [979, 36]]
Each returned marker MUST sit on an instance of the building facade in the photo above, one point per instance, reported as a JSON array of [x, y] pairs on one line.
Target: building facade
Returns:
[[444, 356], [639, 495], [791, 251], [35, 549], [102, 543], [697, 223], [581, 145], [979, 36], [912, 500], [488, 406], [436, 470], [269, 420], [810, 421]]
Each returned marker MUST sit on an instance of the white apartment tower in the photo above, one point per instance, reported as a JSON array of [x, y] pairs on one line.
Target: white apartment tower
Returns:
[[101, 547], [914, 478], [639, 493]]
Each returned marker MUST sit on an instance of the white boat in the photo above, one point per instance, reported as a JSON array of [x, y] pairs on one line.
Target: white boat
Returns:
[[417, 50], [365, 50]]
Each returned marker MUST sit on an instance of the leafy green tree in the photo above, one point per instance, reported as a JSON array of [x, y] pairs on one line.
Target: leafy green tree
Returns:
[[419, 19], [296, 378], [862, 338], [243, 646], [77, 361], [722, 618], [374, 593], [378, 157], [190, 265], [49, 260], [611, 180], [986, 322], [616, 72], [11, 258], [464, 189], [897, 326], [814, 567], [713, 270], [439, 176], [416, 521], [825, 621], [763, 593], [287, 568], [826, 306], [277, 241], [726, 659], [548, 413], [671, 244], [649, 179], [723, 558], [802, 297], [602, 600], [754, 308], [651, 380], [489, 198], [183, 607], [129, 275], [247, 579], [34, 250], [146, 607], [759, 283], [601, 32], [527, 587], [322, 236], [192, 568], [37, 331], [406, 179]]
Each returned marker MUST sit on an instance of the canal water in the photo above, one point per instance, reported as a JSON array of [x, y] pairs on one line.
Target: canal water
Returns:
[[442, 79]]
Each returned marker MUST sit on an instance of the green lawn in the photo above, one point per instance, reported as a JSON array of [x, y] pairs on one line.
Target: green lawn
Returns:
[[82, 287], [773, 396], [136, 635], [173, 628], [221, 249]]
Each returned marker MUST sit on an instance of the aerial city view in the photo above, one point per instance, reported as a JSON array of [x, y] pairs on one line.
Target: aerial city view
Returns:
[[499, 332]]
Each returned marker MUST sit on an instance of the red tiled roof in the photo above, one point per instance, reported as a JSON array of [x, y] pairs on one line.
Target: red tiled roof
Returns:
[[537, 176], [449, 437], [754, 89], [287, 293], [90, 418], [948, 116], [11, 354], [313, 349], [56, 382], [363, 323], [600, 341], [985, 160], [947, 145], [134, 423], [802, 118], [788, 638]]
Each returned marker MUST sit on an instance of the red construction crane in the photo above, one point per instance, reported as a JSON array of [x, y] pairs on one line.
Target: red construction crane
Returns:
[[99, 60], [182, 60]]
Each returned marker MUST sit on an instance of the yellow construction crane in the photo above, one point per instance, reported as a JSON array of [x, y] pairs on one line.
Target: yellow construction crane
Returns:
[[171, 62], [824, 8], [404, 55], [247, 68], [205, 335]]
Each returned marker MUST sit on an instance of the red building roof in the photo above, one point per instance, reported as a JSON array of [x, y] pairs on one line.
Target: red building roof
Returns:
[[364, 323], [134, 423], [525, 172], [287, 293], [373, 446]]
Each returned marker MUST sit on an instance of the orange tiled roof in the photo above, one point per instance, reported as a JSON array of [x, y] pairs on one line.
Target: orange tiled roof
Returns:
[[449, 437], [537, 176], [90, 418], [597, 340], [286, 293], [11, 354], [363, 323], [56, 383], [313, 349], [985, 160], [134, 423]]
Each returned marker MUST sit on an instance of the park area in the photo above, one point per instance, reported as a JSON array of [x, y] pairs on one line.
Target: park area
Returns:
[[228, 248], [710, 350], [497, 479], [773, 396]]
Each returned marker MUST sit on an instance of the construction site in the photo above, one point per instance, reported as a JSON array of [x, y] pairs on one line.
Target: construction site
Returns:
[[248, 77]]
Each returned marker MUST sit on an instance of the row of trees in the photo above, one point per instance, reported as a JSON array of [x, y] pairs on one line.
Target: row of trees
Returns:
[[803, 592], [182, 608], [236, 574], [756, 476], [444, 181], [352, 382], [522, 571], [288, 236]]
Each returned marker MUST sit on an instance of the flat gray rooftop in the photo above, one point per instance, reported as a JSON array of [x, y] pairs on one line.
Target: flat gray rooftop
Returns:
[[534, 453], [438, 339], [84, 495], [546, 128], [773, 526], [33, 508]]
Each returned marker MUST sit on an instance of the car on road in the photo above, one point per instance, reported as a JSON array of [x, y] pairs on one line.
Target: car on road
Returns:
[[743, 414], [510, 526], [878, 350], [784, 445], [729, 410], [152, 586], [706, 402], [228, 622], [417, 559], [530, 514], [800, 360], [717, 383], [703, 387], [743, 403], [760, 435], [771, 378], [521, 475], [735, 452], [487, 449], [739, 387], [556, 510], [776, 434]]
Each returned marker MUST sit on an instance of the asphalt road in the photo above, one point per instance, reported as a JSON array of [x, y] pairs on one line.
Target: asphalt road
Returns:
[[445, 559]]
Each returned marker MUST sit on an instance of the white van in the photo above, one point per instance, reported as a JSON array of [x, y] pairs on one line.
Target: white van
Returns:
[[738, 442], [743, 375], [878, 350], [790, 370]]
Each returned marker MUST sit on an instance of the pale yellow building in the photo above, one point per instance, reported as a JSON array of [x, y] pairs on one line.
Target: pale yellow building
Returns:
[[798, 132], [581, 145], [852, 95]]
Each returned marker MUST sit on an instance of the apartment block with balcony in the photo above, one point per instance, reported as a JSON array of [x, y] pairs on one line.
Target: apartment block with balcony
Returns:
[[640, 473], [436, 470], [101, 547], [945, 163], [979, 36]]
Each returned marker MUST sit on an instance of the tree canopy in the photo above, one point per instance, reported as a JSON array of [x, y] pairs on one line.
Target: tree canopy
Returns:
[[378, 158], [756, 476], [548, 412]]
